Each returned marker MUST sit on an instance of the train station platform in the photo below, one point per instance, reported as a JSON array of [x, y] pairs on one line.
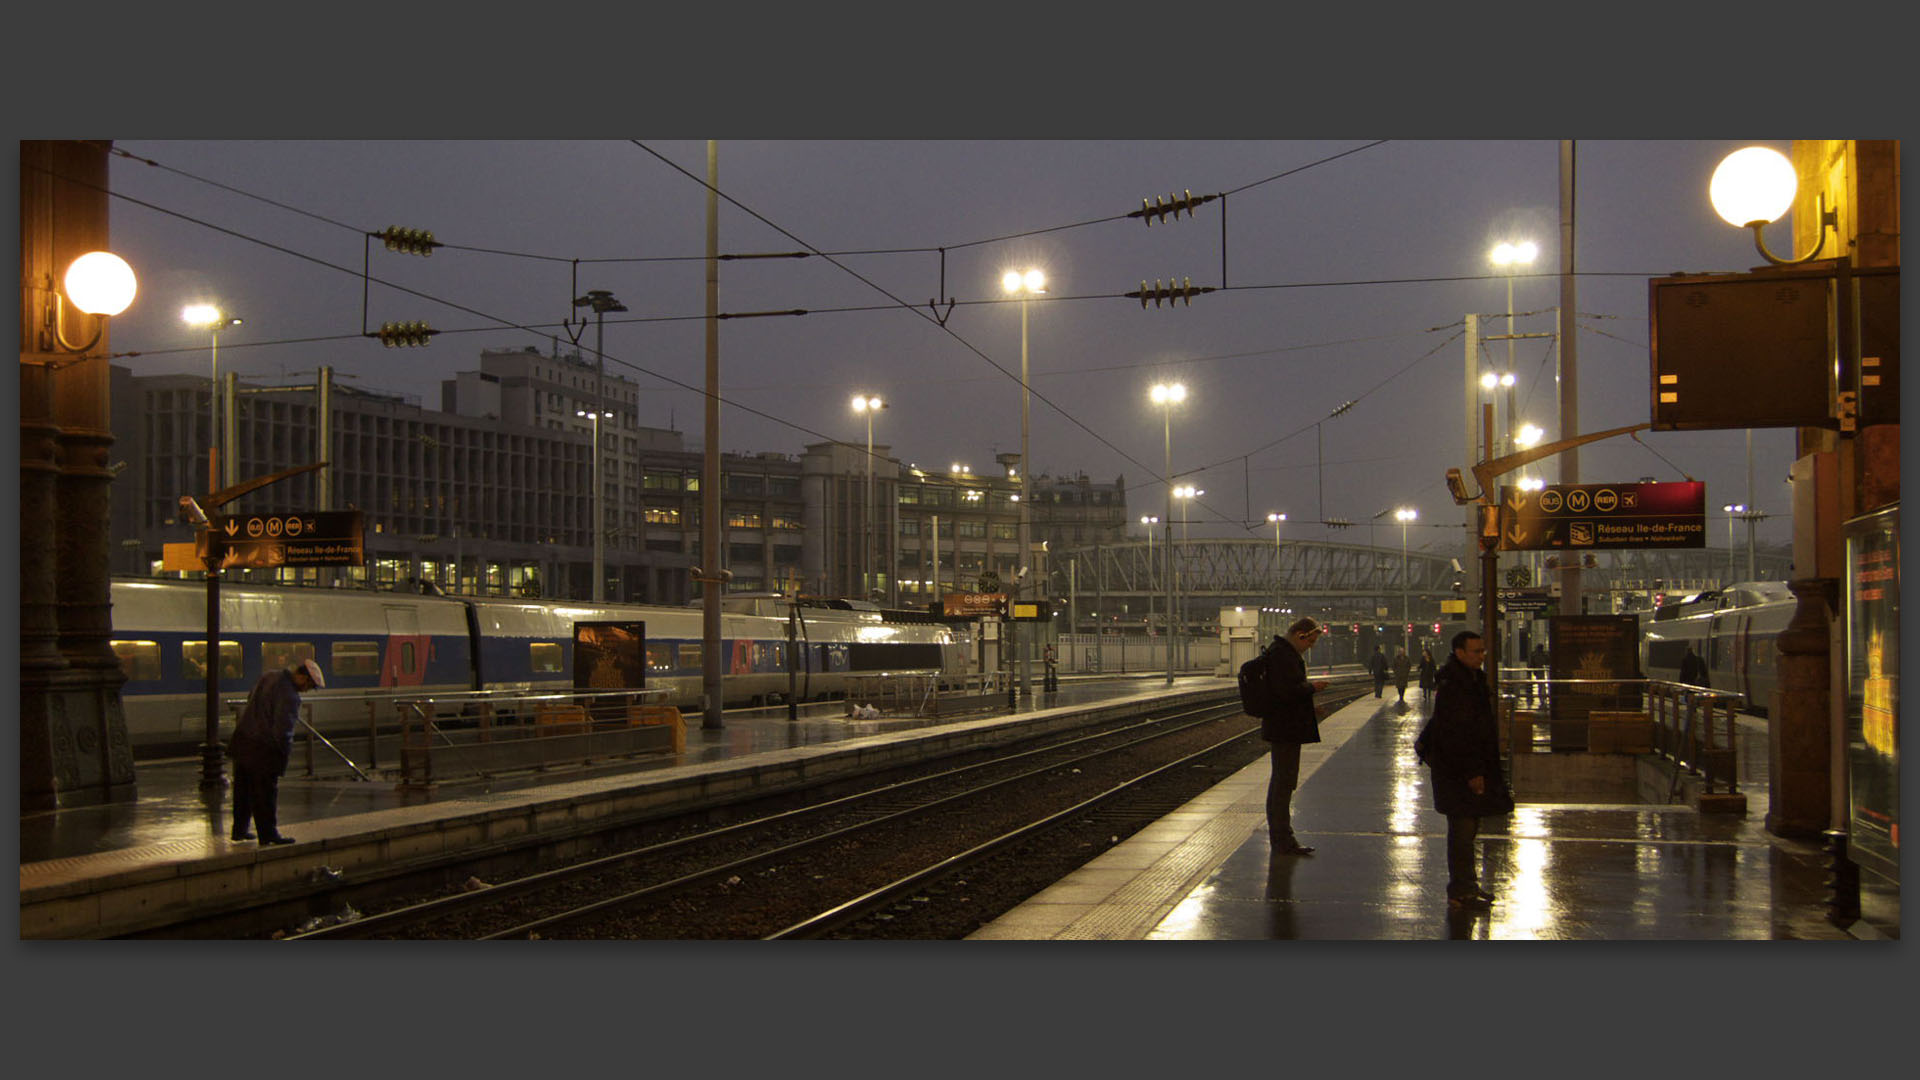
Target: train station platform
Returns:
[[1561, 871], [101, 870]]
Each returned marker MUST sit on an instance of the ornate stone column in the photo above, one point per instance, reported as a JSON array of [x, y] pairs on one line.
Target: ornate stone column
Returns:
[[1798, 734], [73, 733]]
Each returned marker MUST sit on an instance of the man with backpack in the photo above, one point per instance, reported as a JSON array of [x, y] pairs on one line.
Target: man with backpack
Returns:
[[1275, 684]]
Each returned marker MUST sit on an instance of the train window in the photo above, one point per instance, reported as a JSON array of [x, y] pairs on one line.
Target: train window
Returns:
[[659, 656], [355, 658], [408, 660], [193, 659], [277, 655], [140, 660], [690, 655], [545, 657]]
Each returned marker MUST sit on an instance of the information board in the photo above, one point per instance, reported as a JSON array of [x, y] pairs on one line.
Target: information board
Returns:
[[1591, 516]]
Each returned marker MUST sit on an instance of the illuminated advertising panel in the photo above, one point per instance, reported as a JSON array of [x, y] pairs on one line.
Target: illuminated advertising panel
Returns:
[[1873, 691]]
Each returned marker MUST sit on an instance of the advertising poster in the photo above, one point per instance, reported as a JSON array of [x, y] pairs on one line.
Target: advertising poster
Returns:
[[1873, 691], [1586, 655]]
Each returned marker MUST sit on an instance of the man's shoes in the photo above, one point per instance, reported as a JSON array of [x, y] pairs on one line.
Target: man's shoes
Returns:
[[1469, 902], [1484, 895], [239, 836], [276, 839], [1293, 849]]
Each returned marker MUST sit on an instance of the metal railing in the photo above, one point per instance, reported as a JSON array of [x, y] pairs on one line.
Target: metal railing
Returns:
[[1693, 727], [522, 729], [921, 694]]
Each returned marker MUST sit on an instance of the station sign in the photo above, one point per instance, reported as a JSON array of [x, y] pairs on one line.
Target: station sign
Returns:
[[1028, 611], [1523, 601], [1587, 516], [965, 605], [287, 538]]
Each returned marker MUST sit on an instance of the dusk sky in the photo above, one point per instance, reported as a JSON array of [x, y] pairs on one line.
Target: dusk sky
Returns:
[[1348, 269]]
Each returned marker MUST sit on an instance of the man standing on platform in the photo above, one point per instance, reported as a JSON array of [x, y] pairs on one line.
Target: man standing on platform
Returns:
[[1461, 744], [1291, 722], [1377, 665], [261, 746]]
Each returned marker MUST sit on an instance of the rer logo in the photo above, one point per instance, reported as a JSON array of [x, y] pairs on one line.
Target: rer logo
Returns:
[[1606, 500]]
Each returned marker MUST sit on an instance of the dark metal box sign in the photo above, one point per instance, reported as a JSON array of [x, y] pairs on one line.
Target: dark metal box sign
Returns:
[[1588, 516], [288, 538]]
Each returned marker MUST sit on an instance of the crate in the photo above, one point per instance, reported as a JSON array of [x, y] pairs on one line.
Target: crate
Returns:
[[1522, 726], [559, 719], [1611, 732], [651, 715]]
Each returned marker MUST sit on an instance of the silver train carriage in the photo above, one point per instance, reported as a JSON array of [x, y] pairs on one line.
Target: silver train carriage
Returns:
[[382, 642], [1732, 629]]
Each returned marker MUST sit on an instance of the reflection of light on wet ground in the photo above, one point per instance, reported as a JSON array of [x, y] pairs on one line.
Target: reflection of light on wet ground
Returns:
[[1525, 907], [1186, 915], [1407, 871]]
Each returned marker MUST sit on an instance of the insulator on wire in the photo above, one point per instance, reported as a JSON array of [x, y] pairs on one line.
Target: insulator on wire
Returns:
[[1158, 208], [408, 241], [404, 334]]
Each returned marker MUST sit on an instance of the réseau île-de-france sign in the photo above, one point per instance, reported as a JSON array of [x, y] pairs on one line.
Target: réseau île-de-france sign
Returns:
[[1585, 516]]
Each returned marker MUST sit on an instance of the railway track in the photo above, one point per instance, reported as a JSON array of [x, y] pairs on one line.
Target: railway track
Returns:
[[841, 866]]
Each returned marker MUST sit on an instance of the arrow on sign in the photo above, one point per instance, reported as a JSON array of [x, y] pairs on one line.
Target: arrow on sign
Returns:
[[232, 526]]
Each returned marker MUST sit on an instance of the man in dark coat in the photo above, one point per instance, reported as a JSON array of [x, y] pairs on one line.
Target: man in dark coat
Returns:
[[1378, 666], [1291, 722], [1402, 667], [1461, 745], [1693, 670], [262, 742]]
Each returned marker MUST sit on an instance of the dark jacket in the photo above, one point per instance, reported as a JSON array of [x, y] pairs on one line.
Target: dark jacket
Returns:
[[1401, 667], [1426, 671], [1377, 664], [1461, 742], [1693, 670], [263, 739], [1293, 719]]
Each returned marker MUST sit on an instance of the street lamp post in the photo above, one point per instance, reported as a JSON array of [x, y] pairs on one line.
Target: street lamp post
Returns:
[[1186, 493], [601, 301], [1167, 395], [1732, 510], [599, 524], [213, 320], [1148, 521], [1026, 284], [1277, 520], [867, 404], [1405, 515]]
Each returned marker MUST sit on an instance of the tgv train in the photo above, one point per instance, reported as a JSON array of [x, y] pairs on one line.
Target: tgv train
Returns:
[[367, 640], [1732, 629]]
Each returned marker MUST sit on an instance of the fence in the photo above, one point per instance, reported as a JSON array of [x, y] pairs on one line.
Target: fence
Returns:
[[1692, 727]]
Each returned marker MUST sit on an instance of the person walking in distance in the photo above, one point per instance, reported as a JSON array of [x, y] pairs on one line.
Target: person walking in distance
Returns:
[[1377, 665], [1461, 746], [1426, 670], [1402, 667], [262, 742], [1290, 722]]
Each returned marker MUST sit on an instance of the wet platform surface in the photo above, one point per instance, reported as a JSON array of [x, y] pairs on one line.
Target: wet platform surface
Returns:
[[171, 808], [1561, 871]]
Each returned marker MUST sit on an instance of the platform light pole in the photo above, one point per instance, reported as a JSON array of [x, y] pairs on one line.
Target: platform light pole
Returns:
[[1405, 515], [213, 320], [599, 522], [1277, 519], [601, 301], [867, 404], [1025, 284], [1186, 493], [1167, 395]]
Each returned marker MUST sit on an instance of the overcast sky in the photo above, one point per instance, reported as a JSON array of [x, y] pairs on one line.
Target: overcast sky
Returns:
[[1348, 267]]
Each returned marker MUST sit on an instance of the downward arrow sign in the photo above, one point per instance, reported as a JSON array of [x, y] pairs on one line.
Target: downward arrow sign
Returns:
[[232, 527]]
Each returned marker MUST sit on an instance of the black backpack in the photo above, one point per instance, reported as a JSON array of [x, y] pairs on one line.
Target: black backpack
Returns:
[[1256, 697]]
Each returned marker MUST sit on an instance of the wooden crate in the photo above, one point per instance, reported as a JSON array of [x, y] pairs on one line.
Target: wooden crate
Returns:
[[1616, 732], [649, 715]]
